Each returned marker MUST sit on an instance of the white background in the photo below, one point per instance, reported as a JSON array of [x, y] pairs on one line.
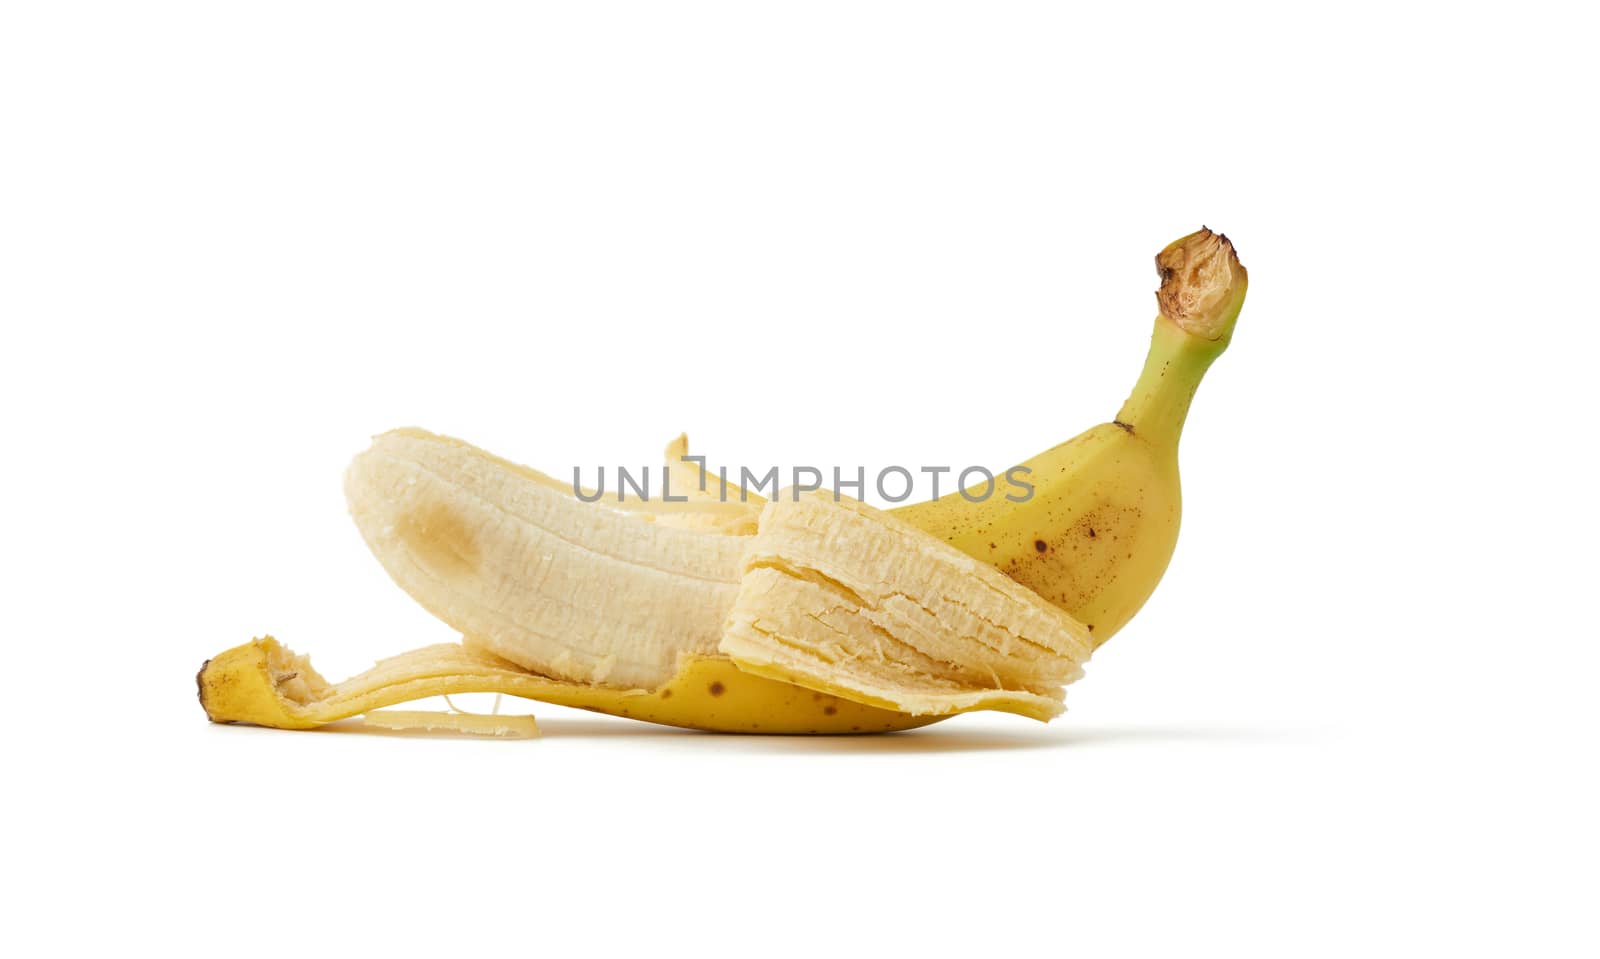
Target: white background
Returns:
[[1358, 715]]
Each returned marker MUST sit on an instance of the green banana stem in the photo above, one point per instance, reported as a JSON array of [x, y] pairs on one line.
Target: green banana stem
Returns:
[[1202, 290]]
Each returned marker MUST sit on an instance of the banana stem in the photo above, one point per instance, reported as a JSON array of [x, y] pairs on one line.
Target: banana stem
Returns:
[[1202, 290], [1172, 372]]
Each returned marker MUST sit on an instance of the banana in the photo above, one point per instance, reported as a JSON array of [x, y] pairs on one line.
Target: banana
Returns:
[[1099, 530], [814, 613]]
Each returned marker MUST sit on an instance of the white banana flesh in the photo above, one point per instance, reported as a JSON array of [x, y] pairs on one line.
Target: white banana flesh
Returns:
[[527, 571]]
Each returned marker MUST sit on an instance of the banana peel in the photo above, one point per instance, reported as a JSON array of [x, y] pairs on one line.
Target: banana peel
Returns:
[[432, 721], [264, 683]]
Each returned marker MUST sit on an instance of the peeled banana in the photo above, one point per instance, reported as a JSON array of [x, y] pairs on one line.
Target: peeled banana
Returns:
[[808, 613]]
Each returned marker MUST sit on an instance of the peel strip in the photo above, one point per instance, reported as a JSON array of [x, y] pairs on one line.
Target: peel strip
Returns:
[[263, 683], [477, 724]]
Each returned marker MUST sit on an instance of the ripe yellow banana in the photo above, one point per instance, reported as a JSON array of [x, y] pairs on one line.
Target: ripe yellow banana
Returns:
[[806, 614], [1099, 530]]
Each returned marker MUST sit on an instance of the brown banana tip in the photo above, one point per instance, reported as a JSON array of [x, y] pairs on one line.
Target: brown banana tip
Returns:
[[200, 688], [200, 693], [1202, 284]]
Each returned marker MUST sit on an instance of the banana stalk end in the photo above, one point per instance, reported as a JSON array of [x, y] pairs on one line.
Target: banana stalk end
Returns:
[[1202, 284]]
